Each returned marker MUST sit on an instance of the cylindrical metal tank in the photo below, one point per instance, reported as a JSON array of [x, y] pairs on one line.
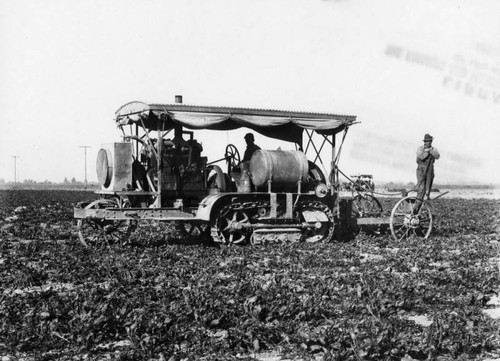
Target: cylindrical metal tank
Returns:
[[282, 167]]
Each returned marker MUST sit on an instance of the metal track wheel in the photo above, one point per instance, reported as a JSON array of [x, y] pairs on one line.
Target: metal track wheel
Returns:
[[319, 215], [232, 227]]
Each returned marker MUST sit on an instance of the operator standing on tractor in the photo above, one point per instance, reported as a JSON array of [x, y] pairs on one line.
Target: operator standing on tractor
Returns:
[[251, 147], [426, 155]]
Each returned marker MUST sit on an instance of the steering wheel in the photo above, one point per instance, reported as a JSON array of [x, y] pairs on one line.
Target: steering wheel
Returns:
[[232, 156]]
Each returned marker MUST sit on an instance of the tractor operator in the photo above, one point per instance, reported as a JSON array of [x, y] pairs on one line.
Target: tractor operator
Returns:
[[251, 147], [426, 155]]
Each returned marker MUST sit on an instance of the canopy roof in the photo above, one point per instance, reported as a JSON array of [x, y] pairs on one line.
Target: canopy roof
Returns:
[[284, 125]]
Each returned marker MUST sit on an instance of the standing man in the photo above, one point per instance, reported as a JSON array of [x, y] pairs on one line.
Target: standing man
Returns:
[[426, 155], [251, 147]]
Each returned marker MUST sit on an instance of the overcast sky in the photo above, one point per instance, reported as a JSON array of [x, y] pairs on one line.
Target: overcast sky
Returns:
[[405, 68]]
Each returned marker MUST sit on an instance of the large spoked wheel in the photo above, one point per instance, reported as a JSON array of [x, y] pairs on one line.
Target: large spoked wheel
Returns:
[[411, 216], [321, 222], [232, 157], [97, 232], [366, 205], [232, 227]]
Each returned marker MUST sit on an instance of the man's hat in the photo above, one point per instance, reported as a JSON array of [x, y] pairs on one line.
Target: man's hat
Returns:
[[249, 136], [428, 138]]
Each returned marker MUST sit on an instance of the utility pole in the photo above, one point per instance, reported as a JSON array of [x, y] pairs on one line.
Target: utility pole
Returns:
[[85, 152], [15, 168]]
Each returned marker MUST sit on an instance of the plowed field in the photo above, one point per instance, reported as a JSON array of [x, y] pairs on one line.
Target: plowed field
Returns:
[[365, 299]]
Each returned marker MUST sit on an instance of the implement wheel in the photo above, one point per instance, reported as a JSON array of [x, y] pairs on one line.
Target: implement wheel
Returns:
[[366, 206], [411, 216], [96, 232]]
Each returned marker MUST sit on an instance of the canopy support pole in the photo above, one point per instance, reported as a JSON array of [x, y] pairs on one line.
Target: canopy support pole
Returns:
[[333, 168], [319, 151], [160, 166], [309, 139], [317, 156], [149, 139], [137, 143]]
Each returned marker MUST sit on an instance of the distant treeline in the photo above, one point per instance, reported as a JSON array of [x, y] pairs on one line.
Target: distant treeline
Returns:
[[410, 185], [468, 186], [49, 185]]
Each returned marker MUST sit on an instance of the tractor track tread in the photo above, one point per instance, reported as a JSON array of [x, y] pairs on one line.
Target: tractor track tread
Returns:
[[217, 236]]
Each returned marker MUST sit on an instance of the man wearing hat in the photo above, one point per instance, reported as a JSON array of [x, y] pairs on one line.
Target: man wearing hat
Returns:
[[426, 155], [251, 147]]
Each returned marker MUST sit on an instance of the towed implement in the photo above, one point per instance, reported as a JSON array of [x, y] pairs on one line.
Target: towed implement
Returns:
[[158, 172]]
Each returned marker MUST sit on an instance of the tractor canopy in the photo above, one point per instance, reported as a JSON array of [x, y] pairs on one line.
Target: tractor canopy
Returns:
[[283, 125]]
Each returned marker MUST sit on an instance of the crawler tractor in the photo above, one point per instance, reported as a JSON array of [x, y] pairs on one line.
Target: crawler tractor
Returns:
[[158, 172]]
